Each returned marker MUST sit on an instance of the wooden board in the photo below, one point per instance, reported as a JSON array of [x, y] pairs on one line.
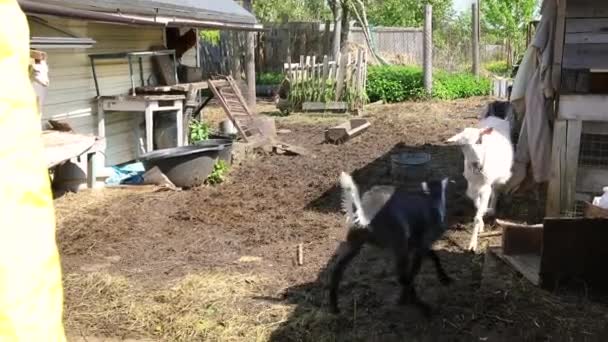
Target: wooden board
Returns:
[[522, 240], [346, 131], [322, 106], [575, 248], [62, 146], [528, 265]]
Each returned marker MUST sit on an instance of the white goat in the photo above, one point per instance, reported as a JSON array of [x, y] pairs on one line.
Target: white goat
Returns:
[[488, 158]]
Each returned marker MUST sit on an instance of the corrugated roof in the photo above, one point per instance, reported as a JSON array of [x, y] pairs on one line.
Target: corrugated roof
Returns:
[[208, 10]]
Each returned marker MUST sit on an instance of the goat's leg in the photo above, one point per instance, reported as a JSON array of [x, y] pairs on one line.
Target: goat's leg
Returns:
[[406, 278], [348, 250], [444, 279], [478, 224], [491, 211]]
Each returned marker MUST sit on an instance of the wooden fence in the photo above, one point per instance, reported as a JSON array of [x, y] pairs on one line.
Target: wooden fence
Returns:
[[279, 41], [319, 86]]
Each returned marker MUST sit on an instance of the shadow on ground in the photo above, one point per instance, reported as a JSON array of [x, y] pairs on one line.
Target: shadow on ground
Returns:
[[445, 161]]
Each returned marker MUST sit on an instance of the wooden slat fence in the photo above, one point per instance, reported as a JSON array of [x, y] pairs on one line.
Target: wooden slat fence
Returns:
[[325, 81]]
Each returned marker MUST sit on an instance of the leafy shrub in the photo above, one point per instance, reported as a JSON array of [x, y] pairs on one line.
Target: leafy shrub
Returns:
[[198, 130], [217, 176], [498, 68], [394, 83], [210, 36], [400, 83], [269, 78], [457, 86]]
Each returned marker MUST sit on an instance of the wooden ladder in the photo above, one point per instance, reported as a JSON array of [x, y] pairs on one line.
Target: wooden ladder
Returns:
[[229, 96]]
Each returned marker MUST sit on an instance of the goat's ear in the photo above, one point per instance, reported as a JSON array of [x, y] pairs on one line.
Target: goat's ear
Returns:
[[455, 139], [487, 130], [425, 187]]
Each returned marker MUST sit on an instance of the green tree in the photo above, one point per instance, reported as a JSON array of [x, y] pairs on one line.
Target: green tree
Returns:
[[508, 19], [407, 13], [294, 10]]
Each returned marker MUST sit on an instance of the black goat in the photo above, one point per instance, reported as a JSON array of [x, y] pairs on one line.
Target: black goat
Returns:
[[404, 222]]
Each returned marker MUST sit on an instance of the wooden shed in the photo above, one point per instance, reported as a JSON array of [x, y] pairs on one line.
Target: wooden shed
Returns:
[[569, 245], [580, 131], [69, 31]]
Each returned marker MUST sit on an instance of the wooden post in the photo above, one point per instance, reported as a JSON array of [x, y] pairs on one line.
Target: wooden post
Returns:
[[327, 38], [250, 62], [337, 32], [235, 48], [428, 49], [475, 39]]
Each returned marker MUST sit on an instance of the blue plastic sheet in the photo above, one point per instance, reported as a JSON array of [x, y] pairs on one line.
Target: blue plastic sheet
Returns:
[[131, 174]]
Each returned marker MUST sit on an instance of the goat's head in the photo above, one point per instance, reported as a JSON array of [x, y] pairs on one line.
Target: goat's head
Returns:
[[470, 136]]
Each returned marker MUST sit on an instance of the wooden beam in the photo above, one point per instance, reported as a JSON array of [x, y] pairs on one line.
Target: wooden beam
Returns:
[[573, 143], [558, 159], [583, 107], [558, 49]]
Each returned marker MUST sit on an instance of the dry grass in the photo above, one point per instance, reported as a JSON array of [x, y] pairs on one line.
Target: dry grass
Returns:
[[209, 306]]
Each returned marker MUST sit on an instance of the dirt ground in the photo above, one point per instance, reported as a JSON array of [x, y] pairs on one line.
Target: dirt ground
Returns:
[[219, 263]]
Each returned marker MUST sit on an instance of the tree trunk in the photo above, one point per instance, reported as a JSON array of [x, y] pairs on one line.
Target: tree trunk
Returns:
[[337, 29], [345, 26]]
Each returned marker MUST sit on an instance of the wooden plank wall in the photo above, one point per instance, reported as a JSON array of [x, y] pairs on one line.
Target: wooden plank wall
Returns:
[[72, 90]]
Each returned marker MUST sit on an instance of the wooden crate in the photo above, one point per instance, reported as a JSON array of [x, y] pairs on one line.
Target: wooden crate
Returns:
[[564, 249]]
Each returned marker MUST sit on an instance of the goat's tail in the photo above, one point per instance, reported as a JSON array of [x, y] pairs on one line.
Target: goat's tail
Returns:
[[350, 198]]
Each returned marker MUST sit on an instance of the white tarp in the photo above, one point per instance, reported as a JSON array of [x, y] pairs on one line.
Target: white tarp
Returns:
[[532, 95]]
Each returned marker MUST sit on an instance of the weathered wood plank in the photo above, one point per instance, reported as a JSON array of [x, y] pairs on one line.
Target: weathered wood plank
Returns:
[[573, 143], [583, 107], [558, 159], [574, 248]]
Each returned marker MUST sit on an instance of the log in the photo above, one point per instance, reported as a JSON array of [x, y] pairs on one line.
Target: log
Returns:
[[505, 223]]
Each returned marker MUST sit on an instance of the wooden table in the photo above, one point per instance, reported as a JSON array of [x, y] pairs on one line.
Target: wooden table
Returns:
[[62, 146], [149, 104]]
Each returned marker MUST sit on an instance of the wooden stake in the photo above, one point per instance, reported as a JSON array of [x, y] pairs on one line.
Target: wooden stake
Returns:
[[300, 254], [428, 49]]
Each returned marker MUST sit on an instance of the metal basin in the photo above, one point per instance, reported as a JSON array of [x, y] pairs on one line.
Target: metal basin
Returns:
[[412, 165], [188, 166]]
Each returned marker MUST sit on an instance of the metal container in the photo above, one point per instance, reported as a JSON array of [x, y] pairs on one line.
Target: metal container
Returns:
[[188, 166], [410, 165], [227, 128]]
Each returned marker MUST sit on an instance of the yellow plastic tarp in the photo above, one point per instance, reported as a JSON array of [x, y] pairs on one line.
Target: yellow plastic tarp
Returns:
[[31, 295]]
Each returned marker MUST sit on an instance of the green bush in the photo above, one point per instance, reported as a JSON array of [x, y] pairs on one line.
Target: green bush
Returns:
[[394, 83], [400, 83], [498, 68], [269, 78], [457, 86]]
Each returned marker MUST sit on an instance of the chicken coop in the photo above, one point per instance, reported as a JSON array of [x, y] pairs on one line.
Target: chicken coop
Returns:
[[580, 131]]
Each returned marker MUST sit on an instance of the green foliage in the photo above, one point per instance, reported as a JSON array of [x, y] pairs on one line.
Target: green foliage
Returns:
[[210, 36], [269, 78], [268, 11], [459, 85], [406, 13], [499, 68], [508, 19], [315, 91], [401, 83], [218, 175], [198, 130], [394, 83]]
